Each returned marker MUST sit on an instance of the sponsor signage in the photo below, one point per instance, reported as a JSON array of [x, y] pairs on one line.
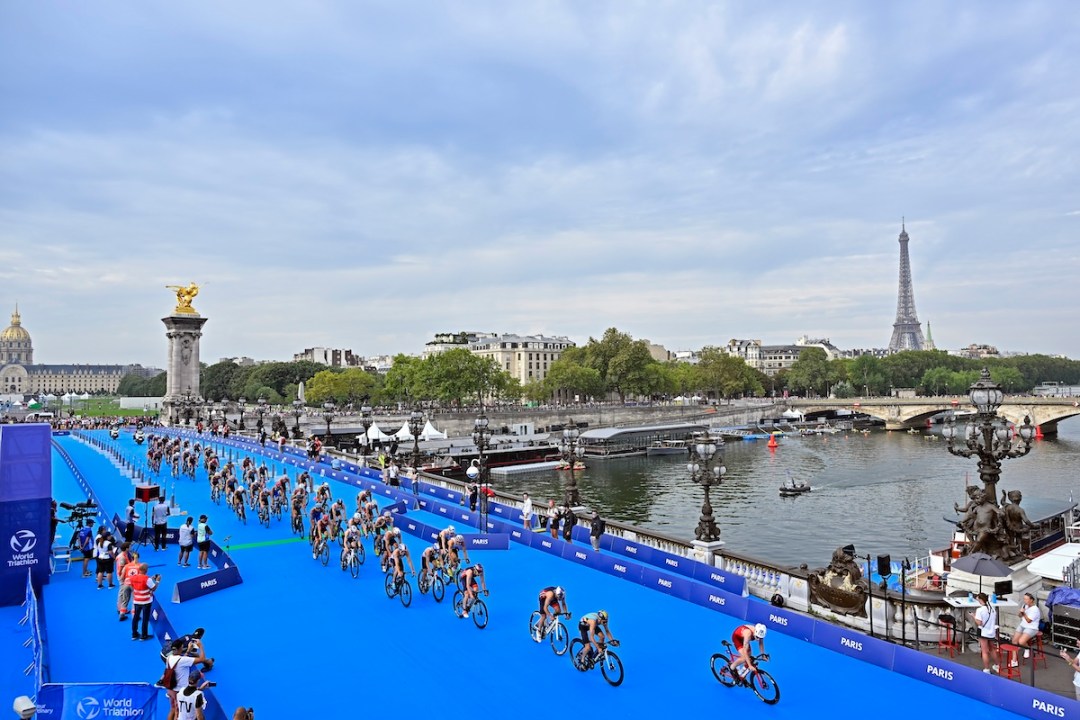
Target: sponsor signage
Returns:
[[720, 578], [780, 620], [719, 600], [205, 584], [854, 644], [491, 541], [93, 701]]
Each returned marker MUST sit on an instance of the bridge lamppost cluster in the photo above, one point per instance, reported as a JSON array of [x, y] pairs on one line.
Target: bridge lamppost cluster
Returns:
[[242, 404], [707, 469], [416, 426], [571, 453], [365, 420], [297, 411], [988, 436], [261, 410], [328, 416], [479, 472]]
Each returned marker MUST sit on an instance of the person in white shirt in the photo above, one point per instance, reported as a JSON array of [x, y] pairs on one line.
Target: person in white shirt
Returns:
[[527, 512], [186, 542], [986, 619], [1030, 615]]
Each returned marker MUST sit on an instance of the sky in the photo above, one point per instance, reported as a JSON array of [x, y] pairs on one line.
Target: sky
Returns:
[[364, 175]]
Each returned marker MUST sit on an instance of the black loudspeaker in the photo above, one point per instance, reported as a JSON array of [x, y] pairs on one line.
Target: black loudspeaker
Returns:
[[884, 565], [1002, 587], [146, 493]]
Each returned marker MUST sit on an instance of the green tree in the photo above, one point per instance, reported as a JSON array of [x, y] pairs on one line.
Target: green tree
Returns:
[[214, 380], [810, 372]]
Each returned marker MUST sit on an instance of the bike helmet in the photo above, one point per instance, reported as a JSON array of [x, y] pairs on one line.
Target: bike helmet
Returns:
[[759, 631], [479, 569], [459, 539], [451, 529], [356, 517], [602, 616], [397, 532], [560, 593]]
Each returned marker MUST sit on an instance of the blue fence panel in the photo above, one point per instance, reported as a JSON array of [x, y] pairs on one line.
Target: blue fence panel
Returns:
[[854, 644], [720, 578], [675, 585], [640, 553], [576, 553], [673, 563], [617, 567], [944, 673], [785, 621], [717, 599]]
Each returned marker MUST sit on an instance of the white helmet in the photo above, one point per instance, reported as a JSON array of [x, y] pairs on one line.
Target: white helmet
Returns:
[[560, 593], [459, 539], [759, 631]]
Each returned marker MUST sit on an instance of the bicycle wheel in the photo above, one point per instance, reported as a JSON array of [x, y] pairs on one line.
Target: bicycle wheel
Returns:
[[388, 585], [459, 598], [354, 565], [560, 639], [479, 613], [344, 559], [577, 650], [324, 553], [360, 554], [423, 583], [405, 593], [612, 669], [536, 628], [765, 687], [438, 589], [721, 669]]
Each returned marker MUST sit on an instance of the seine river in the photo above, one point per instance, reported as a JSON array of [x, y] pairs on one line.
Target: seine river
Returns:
[[886, 492]]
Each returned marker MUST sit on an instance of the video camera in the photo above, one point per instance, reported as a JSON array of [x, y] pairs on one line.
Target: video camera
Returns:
[[79, 511]]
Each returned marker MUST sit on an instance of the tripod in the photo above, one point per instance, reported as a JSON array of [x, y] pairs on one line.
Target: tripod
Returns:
[[145, 532]]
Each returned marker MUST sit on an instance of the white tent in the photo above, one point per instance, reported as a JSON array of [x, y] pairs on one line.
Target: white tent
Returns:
[[404, 433], [430, 433], [374, 433]]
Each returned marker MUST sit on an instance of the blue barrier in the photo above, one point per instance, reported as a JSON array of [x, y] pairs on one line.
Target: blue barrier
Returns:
[[618, 567], [640, 553], [716, 599], [785, 621], [720, 578], [491, 541], [90, 700], [545, 543], [943, 673], [854, 644], [205, 584], [673, 563], [1030, 702], [576, 553], [674, 585]]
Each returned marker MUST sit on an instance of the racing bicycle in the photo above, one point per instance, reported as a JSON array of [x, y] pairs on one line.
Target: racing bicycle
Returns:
[[761, 682], [610, 665]]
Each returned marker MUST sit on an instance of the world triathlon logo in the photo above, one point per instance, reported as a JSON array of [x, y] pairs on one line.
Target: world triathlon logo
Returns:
[[88, 708], [23, 541]]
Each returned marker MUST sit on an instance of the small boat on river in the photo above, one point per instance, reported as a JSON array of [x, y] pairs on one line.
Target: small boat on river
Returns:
[[667, 447], [793, 489]]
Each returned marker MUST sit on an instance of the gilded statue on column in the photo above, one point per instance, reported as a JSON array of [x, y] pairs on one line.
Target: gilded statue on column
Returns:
[[184, 296]]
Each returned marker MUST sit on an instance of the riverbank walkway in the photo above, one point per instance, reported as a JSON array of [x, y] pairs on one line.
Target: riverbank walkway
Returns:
[[297, 639]]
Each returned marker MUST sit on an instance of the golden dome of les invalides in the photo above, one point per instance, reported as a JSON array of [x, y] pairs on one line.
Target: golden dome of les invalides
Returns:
[[15, 332]]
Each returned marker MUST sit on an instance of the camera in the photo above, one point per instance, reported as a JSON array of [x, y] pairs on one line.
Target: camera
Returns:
[[79, 511], [24, 707]]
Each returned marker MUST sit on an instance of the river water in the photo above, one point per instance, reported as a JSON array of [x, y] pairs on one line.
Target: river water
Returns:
[[886, 492]]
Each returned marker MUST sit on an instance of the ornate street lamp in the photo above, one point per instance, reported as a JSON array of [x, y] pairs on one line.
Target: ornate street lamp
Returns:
[[262, 409], [988, 437], [297, 411], [571, 452], [482, 437], [706, 468], [365, 420], [416, 425], [242, 403], [328, 416]]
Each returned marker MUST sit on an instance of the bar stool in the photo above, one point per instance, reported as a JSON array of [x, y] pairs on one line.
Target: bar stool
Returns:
[[1037, 653], [1007, 655], [947, 634]]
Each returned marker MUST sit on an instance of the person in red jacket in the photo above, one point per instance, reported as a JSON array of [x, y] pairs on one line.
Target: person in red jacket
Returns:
[[142, 594]]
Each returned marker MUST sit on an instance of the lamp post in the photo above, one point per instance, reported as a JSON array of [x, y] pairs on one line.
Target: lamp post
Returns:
[[297, 411], [571, 451], [706, 468], [261, 410], [481, 437], [987, 437], [416, 425], [328, 416], [365, 420], [242, 403]]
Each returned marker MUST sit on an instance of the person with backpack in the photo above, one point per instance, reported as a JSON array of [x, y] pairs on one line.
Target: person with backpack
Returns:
[[83, 540], [182, 671]]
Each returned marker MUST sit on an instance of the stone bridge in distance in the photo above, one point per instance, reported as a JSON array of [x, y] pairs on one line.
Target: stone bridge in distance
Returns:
[[904, 413]]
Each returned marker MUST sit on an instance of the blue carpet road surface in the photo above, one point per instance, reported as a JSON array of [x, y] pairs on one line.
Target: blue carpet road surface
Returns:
[[300, 640]]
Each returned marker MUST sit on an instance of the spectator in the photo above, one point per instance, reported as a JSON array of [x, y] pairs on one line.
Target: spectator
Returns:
[[142, 592], [105, 564], [186, 541], [553, 519], [83, 539], [130, 516], [202, 537], [474, 493], [527, 512], [187, 672], [569, 521], [160, 518], [596, 530]]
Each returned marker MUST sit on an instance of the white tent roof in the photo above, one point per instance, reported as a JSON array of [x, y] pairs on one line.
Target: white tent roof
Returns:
[[430, 433], [404, 433], [374, 433]]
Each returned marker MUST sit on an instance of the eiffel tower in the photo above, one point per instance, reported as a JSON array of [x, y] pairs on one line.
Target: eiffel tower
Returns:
[[907, 332]]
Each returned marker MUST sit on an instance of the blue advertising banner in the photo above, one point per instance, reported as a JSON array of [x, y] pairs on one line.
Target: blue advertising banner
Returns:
[[673, 563], [491, 541], [785, 621], [577, 553], [944, 673], [617, 567], [716, 599], [78, 701], [720, 578], [205, 584], [545, 543], [25, 545], [25, 462], [640, 553], [854, 644], [675, 585], [1030, 702]]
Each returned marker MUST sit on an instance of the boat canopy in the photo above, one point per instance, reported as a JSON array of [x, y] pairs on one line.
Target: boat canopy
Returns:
[[598, 435]]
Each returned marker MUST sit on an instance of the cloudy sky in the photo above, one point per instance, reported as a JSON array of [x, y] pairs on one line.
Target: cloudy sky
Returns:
[[366, 174]]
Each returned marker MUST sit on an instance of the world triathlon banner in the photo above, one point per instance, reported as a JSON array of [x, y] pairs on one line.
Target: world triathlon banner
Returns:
[[25, 494], [75, 701]]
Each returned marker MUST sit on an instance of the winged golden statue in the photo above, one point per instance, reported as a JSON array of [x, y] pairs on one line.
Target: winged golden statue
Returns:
[[184, 296]]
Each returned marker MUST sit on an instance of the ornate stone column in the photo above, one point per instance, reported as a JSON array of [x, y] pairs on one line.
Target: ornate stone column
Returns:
[[183, 329]]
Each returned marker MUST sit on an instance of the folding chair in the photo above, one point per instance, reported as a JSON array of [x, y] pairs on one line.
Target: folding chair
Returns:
[[60, 559]]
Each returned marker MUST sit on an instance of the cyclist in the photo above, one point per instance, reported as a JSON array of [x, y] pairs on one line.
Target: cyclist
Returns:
[[445, 536], [429, 560], [398, 558], [323, 493], [383, 524], [215, 484], [391, 540], [594, 631], [552, 602], [264, 499], [238, 503], [468, 581], [350, 540], [337, 516], [320, 533], [742, 637], [457, 542]]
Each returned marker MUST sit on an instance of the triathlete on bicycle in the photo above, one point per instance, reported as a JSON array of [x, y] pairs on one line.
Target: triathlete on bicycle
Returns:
[[320, 533], [382, 525], [391, 540], [595, 631], [397, 559], [215, 484], [337, 516], [552, 602], [323, 493], [238, 502], [350, 540], [455, 548], [430, 560], [264, 499], [741, 638], [469, 577], [445, 536]]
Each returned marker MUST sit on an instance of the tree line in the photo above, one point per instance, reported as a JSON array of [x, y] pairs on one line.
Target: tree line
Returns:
[[612, 366]]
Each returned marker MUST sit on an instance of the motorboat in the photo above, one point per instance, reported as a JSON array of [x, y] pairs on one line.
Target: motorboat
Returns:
[[667, 447], [793, 489]]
